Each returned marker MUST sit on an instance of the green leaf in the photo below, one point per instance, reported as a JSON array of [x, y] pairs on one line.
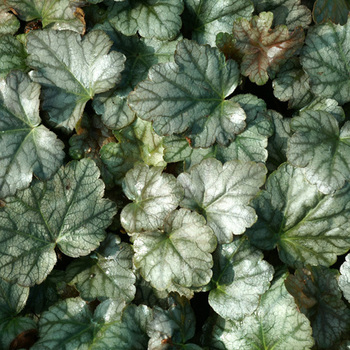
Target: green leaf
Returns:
[[107, 274], [277, 146], [239, 270], [264, 49], [222, 194], [12, 55], [27, 147], [189, 96], [292, 85], [344, 279], [12, 300], [9, 24], [276, 325], [306, 226], [71, 324], [63, 14], [335, 10], [179, 255], [207, 18], [288, 12], [67, 211], [137, 142], [149, 18], [328, 72], [250, 145], [128, 333], [72, 70], [321, 149], [154, 195], [173, 326], [317, 295]]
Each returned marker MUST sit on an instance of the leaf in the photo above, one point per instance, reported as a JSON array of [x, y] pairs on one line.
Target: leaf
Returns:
[[316, 292], [328, 72], [27, 147], [154, 196], [336, 10], [306, 226], [173, 326], [67, 211], [239, 270], [179, 255], [207, 18], [276, 325], [71, 324], [9, 24], [106, 274], [344, 278], [148, 18], [250, 145], [72, 70], [292, 85], [188, 96], [222, 194], [321, 149], [12, 55], [61, 14], [288, 12], [264, 49], [137, 142], [277, 146], [12, 300], [129, 333]]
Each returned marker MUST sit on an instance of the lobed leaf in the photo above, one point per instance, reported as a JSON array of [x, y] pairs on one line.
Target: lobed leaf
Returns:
[[27, 147], [188, 96], [67, 211], [72, 70], [222, 194], [336, 10], [264, 49], [306, 226], [178, 256], [321, 149]]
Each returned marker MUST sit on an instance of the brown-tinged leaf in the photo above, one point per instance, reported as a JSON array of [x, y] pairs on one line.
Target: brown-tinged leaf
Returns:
[[264, 49]]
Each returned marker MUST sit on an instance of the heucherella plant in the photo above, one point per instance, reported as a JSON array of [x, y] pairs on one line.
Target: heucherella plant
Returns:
[[174, 174]]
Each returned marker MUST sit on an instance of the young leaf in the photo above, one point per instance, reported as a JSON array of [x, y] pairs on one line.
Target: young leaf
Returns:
[[207, 18], [326, 60], [264, 49], [317, 295], [344, 279], [189, 96], [306, 226], [63, 14], [154, 196], [276, 324], [335, 10], [72, 70], [27, 147], [107, 274], [149, 18], [67, 211], [321, 149], [179, 255], [239, 269], [12, 55], [222, 194]]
